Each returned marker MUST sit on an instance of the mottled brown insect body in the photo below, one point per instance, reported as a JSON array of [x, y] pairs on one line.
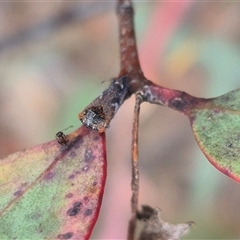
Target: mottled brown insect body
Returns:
[[100, 112], [61, 138], [94, 118]]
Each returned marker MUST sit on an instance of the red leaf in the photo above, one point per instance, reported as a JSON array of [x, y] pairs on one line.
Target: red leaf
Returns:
[[53, 191]]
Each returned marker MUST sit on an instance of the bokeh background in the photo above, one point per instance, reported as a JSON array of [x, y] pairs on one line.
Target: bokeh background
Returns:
[[56, 57]]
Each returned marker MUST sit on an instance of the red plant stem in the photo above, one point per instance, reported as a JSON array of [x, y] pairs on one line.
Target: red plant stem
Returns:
[[145, 90], [135, 172], [128, 49], [130, 66], [135, 168], [174, 99]]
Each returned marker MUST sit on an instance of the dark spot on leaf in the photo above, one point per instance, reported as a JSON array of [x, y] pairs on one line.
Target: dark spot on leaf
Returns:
[[69, 195], [96, 138], [94, 183], [49, 176], [77, 172], [73, 211], [67, 235], [71, 176], [230, 145], [17, 193], [78, 142], [88, 212], [88, 156]]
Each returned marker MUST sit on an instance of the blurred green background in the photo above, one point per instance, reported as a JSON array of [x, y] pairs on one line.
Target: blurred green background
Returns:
[[56, 57]]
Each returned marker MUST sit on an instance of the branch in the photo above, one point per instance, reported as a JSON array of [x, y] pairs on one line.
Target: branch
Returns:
[[135, 169], [128, 49], [131, 67], [131, 80], [174, 99]]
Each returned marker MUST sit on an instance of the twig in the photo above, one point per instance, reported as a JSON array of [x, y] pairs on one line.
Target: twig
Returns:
[[130, 66], [174, 99], [128, 48], [135, 168], [98, 114], [131, 80]]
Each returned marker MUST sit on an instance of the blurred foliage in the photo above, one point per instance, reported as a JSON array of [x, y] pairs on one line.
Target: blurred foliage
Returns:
[[49, 75]]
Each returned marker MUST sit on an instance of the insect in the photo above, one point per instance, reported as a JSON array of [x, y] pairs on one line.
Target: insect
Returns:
[[62, 138], [94, 118], [100, 112]]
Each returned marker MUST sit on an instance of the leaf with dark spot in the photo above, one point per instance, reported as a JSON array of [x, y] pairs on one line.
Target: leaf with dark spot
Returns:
[[69, 195], [215, 123], [39, 197], [75, 209], [65, 235], [88, 212], [216, 126]]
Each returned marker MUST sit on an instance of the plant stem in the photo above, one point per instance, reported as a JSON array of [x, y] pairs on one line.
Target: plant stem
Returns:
[[135, 168], [128, 48]]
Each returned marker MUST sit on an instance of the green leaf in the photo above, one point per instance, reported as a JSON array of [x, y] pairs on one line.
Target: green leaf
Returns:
[[216, 126], [215, 123], [52, 191]]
